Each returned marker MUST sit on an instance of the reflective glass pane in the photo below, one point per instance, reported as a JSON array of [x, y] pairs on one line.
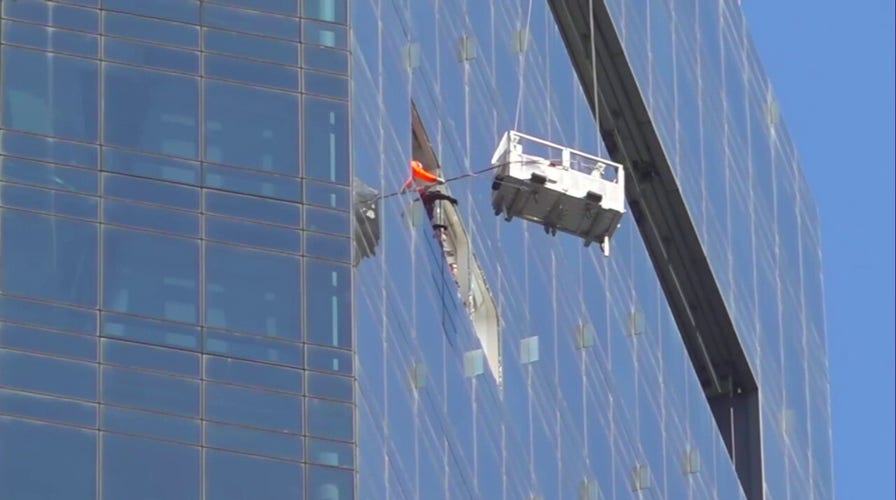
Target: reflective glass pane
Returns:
[[48, 175], [259, 23], [44, 148], [151, 30], [287, 7], [328, 303], [232, 476], [252, 128], [51, 39], [329, 419], [325, 84], [49, 94], [65, 454], [238, 44], [252, 72], [257, 183], [253, 374], [254, 441], [252, 234], [150, 55], [254, 348], [150, 391], [262, 409], [46, 342], [133, 355], [51, 202], [49, 258], [61, 377], [327, 221], [328, 35], [325, 10], [185, 11], [326, 140], [331, 360], [151, 111], [48, 315], [152, 218], [323, 385], [64, 411], [335, 61], [326, 483], [328, 247], [154, 167], [327, 195], [150, 274], [52, 14], [253, 208], [332, 453], [142, 469], [150, 331], [151, 424], [254, 292]]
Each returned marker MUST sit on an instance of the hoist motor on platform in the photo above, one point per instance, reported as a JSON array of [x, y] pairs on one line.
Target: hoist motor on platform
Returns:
[[558, 188]]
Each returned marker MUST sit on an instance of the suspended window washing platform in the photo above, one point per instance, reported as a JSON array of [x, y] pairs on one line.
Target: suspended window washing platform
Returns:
[[558, 188]]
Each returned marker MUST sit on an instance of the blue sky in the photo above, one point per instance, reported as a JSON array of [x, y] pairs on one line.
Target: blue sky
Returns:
[[832, 65]]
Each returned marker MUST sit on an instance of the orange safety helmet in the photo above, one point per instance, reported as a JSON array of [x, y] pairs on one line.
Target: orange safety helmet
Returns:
[[420, 177]]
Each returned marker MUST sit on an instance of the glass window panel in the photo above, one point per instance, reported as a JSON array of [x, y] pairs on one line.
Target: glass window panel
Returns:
[[252, 72], [254, 292], [155, 167], [142, 469], [150, 55], [252, 374], [87, 3], [328, 221], [161, 359], [257, 183], [49, 94], [153, 218], [151, 30], [45, 342], [331, 420], [327, 195], [271, 444], [53, 14], [232, 476], [287, 7], [329, 386], [328, 247], [52, 39], [216, 16], [330, 453], [328, 303], [328, 35], [154, 425], [48, 258], [326, 140], [48, 408], [151, 111], [327, 482], [246, 207], [44, 148], [61, 377], [331, 360], [51, 202], [48, 315], [65, 454], [252, 234], [162, 193], [238, 44], [150, 331], [324, 59], [252, 128], [49, 176], [151, 391], [266, 410], [333, 11], [151, 275], [324, 84], [253, 348], [185, 11]]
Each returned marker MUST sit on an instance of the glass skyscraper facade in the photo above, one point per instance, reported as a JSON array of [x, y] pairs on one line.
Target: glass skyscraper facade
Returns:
[[185, 313]]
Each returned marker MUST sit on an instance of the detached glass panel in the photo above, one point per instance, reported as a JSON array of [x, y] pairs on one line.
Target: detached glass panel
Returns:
[[49, 94]]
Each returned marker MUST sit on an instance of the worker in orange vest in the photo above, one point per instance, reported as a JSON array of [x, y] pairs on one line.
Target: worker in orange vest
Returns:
[[421, 178]]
